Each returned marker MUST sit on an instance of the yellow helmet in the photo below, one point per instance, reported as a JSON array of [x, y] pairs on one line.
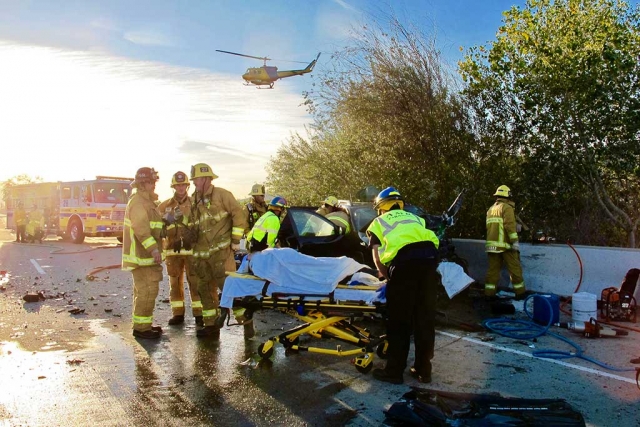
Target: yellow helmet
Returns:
[[331, 201], [503, 191], [202, 170], [257, 190], [179, 178]]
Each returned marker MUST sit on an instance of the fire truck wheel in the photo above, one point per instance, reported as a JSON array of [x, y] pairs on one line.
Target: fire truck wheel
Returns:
[[75, 231]]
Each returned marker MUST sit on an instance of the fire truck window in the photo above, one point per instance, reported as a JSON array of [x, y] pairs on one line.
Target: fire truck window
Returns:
[[66, 192], [76, 192]]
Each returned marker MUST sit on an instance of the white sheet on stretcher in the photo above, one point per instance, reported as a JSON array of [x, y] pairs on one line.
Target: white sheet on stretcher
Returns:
[[289, 272]]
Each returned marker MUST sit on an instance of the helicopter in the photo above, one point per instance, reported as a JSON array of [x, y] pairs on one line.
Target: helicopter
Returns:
[[267, 75]]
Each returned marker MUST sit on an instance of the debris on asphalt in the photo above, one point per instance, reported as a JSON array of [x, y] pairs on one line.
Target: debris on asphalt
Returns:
[[75, 361], [34, 297], [108, 310], [76, 310]]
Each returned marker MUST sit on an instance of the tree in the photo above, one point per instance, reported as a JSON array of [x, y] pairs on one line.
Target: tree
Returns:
[[387, 113], [16, 180], [559, 90]]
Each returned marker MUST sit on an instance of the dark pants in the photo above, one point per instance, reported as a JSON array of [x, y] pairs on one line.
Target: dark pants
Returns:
[[411, 305], [21, 233]]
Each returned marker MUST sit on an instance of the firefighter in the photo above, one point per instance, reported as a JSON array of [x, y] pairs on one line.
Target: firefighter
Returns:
[[20, 217], [177, 247], [141, 254], [328, 205], [35, 224], [406, 254], [219, 226], [340, 217], [256, 207], [502, 245], [263, 235]]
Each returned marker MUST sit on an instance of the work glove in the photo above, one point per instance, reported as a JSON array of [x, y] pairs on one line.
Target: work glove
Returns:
[[516, 247], [235, 247], [382, 292]]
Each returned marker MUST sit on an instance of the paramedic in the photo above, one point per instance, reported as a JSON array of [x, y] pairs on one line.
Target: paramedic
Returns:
[[263, 235], [177, 248], [219, 225], [502, 245], [20, 217], [340, 217], [256, 207], [406, 254], [328, 205], [141, 251]]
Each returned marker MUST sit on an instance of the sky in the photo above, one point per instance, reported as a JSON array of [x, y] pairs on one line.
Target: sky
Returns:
[[104, 87]]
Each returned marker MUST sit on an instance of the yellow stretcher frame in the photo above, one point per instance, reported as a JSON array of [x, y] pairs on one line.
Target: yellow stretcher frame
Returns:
[[325, 318]]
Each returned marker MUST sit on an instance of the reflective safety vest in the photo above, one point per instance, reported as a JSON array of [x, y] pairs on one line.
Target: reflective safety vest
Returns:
[[340, 219], [268, 225], [142, 230], [253, 211], [397, 229], [501, 226]]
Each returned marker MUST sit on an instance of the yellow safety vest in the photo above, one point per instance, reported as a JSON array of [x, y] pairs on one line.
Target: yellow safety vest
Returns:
[[341, 219], [501, 226], [269, 225], [397, 229]]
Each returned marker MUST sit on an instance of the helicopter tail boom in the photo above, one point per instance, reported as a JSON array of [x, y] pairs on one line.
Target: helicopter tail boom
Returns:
[[308, 69]]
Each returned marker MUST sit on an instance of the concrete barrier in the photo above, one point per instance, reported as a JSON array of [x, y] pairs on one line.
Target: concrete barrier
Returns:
[[555, 268]]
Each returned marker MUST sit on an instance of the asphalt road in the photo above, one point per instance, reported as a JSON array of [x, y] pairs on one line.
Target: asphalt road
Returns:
[[58, 368]]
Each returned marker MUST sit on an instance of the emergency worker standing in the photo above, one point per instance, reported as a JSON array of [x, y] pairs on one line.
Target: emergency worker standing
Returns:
[[219, 225], [502, 245], [328, 205], [35, 225], [177, 247], [255, 208], [340, 217], [20, 217], [141, 251], [263, 235], [406, 253]]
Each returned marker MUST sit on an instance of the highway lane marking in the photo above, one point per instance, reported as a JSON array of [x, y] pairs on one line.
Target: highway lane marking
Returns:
[[37, 266], [558, 362]]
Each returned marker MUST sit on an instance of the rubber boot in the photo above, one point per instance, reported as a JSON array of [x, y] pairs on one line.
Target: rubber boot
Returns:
[[177, 319], [150, 334], [208, 332], [224, 314], [199, 321]]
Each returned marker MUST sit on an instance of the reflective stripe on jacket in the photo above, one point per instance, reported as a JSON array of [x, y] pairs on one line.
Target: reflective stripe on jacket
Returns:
[[20, 216], [341, 219], [252, 212], [177, 230], [142, 230], [218, 218], [501, 226], [268, 225], [397, 229]]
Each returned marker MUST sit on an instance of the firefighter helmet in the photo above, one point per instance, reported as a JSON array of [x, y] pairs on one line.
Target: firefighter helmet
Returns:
[[331, 201], [202, 170], [278, 202], [145, 175], [503, 191], [179, 178], [387, 199], [257, 190]]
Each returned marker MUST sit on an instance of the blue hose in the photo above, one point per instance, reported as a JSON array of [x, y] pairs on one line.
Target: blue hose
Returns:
[[525, 330]]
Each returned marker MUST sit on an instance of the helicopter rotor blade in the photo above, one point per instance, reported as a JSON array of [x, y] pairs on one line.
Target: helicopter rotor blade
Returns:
[[284, 60], [246, 56]]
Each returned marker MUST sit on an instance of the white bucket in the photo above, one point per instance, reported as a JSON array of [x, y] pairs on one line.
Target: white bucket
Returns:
[[584, 306]]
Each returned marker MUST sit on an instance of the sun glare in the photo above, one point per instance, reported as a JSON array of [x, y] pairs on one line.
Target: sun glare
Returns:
[[73, 115]]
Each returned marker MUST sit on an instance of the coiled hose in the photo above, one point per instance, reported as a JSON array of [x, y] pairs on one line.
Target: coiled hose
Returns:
[[525, 330]]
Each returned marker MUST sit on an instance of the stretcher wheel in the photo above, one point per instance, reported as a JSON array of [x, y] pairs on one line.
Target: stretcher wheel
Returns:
[[364, 369], [288, 344], [265, 353], [381, 350]]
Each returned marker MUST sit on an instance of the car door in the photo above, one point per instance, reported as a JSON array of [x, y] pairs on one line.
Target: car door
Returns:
[[310, 233]]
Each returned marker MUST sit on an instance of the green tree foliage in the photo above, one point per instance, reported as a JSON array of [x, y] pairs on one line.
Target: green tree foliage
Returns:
[[387, 113], [16, 180], [559, 92]]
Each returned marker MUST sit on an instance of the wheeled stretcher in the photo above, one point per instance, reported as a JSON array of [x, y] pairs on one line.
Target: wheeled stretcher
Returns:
[[316, 298]]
